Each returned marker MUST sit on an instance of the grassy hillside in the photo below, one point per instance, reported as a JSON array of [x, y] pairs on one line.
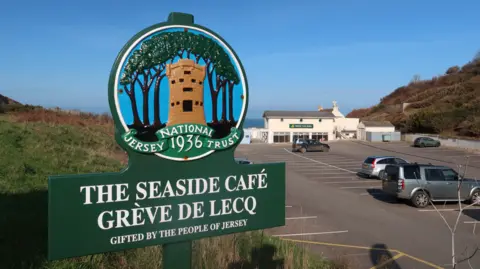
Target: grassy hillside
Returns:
[[36, 143], [448, 104]]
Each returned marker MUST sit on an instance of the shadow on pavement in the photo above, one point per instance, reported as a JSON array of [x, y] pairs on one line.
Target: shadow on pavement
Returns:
[[360, 175], [23, 229], [381, 196], [261, 258], [473, 213], [382, 258]]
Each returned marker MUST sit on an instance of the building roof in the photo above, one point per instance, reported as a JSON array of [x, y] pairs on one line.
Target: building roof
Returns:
[[377, 124], [297, 114]]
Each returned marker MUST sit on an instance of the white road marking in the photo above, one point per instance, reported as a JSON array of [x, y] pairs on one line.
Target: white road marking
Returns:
[[306, 217], [446, 209], [433, 210], [364, 187], [335, 177], [320, 168], [320, 173], [339, 168], [302, 234], [288, 206], [350, 182], [471, 222]]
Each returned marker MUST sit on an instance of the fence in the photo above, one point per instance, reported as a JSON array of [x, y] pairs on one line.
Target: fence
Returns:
[[449, 142]]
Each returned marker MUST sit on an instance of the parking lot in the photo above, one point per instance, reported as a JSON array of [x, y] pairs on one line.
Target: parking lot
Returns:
[[334, 211]]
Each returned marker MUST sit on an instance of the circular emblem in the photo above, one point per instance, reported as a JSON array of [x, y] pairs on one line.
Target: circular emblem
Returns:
[[180, 93]]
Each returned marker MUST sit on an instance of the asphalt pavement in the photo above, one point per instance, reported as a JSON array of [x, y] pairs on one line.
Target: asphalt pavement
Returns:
[[335, 213]]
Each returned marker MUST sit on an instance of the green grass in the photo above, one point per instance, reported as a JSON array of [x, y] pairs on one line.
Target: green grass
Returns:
[[29, 152]]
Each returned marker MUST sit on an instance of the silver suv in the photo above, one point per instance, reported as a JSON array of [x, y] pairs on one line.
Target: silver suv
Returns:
[[374, 166], [422, 183]]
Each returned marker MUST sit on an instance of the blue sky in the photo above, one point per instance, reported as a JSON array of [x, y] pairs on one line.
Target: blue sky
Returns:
[[297, 54]]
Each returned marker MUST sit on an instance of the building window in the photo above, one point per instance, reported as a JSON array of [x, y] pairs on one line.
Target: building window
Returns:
[[187, 106], [320, 136], [281, 119], [301, 120], [303, 136], [282, 137], [319, 120]]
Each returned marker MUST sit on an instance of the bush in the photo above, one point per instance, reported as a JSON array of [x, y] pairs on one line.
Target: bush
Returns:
[[453, 70]]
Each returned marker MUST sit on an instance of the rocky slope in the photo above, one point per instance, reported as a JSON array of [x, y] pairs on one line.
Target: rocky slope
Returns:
[[448, 104]]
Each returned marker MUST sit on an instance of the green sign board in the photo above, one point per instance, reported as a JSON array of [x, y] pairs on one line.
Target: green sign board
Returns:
[[301, 125], [178, 96]]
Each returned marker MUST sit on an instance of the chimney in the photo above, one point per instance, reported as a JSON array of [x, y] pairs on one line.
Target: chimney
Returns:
[[320, 108]]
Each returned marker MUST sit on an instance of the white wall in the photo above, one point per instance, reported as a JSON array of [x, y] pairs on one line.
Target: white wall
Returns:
[[380, 129], [349, 124]]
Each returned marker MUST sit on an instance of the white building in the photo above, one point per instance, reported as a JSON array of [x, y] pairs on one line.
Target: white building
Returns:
[[375, 127], [322, 124]]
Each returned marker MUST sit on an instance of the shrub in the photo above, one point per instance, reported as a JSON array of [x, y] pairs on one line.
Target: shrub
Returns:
[[453, 70]]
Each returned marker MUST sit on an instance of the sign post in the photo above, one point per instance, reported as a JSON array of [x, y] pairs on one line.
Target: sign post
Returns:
[[178, 95]]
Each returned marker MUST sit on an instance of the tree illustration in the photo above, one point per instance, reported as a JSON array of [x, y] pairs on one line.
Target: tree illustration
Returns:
[[146, 67]]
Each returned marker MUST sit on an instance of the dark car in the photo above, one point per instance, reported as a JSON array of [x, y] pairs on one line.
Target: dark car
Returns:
[[310, 145], [426, 142], [243, 161]]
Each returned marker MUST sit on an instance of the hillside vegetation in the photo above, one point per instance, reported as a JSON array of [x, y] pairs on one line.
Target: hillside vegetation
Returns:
[[37, 142], [448, 104]]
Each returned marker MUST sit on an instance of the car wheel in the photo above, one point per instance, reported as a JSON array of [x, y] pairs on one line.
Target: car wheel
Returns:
[[475, 198], [303, 150], [325, 149], [437, 145], [422, 145], [381, 174], [420, 199]]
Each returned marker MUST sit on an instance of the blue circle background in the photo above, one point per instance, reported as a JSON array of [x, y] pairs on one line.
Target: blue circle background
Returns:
[[125, 107]]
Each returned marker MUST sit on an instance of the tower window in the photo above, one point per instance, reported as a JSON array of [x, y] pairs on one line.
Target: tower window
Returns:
[[172, 104], [188, 89], [187, 105], [194, 80], [201, 103], [281, 119], [181, 80], [187, 72], [200, 82], [173, 81], [196, 103], [178, 102], [301, 120]]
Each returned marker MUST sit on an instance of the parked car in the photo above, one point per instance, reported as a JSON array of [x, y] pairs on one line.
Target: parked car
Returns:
[[422, 183], [243, 161], [374, 166], [426, 142], [310, 145]]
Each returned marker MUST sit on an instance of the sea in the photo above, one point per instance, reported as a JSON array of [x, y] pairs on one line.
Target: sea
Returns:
[[249, 123]]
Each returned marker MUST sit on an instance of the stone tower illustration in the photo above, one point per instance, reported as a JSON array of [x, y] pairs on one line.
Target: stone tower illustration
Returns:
[[186, 92]]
